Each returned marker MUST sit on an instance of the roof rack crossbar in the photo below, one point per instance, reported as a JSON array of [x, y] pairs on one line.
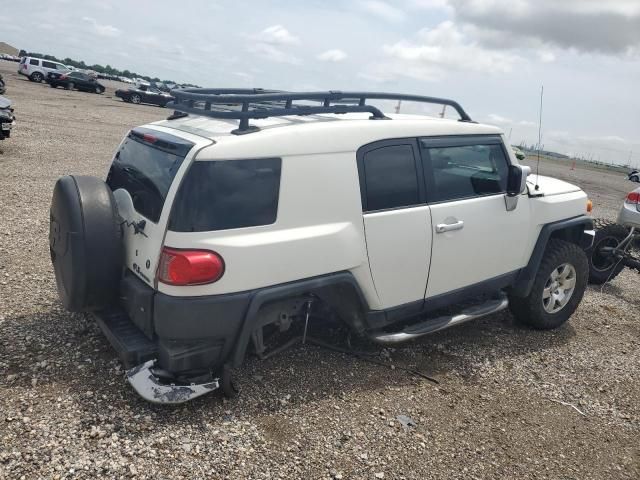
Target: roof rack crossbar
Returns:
[[259, 103]]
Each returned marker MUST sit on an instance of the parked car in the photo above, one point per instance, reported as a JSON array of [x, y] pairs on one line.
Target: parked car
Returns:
[[75, 80], [36, 69], [616, 244], [7, 118], [634, 176], [205, 237], [144, 94], [2, 86]]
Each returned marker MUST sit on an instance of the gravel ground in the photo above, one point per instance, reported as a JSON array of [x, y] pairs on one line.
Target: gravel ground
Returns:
[[503, 407]]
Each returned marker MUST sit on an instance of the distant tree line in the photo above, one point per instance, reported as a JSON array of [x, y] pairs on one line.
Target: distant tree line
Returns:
[[105, 70]]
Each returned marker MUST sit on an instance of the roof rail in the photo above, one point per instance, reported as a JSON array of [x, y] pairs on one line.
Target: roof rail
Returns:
[[245, 104]]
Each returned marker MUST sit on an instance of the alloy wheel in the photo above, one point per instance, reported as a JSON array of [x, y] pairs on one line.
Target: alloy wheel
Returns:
[[559, 288]]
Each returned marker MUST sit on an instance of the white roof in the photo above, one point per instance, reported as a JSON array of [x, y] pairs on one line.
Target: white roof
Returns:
[[317, 133]]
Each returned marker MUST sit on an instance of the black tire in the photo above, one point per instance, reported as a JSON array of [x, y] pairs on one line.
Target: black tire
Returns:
[[135, 98], [604, 268], [52, 85], [635, 178], [85, 242], [70, 86], [36, 77], [229, 386], [99, 90], [530, 310]]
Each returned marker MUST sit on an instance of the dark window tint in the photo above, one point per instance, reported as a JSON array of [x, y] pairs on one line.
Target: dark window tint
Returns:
[[78, 75], [466, 171], [390, 177], [33, 61], [48, 64], [219, 195], [146, 172]]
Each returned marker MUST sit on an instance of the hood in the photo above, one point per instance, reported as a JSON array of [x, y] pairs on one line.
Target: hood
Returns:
[[549, 186], [4, 102]]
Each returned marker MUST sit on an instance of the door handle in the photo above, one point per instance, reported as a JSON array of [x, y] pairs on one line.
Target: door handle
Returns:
[[449, 227]]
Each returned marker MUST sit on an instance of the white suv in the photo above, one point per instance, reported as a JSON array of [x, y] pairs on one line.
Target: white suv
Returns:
[[317, 205], [36, 69]]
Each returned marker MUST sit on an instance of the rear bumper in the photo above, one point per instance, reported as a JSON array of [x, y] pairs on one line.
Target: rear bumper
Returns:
[[188, 336]]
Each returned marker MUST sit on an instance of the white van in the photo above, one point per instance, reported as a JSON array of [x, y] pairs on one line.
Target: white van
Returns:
[[37, 68]]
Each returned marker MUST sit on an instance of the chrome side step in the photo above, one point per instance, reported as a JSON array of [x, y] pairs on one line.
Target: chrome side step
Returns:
[[433, 325]]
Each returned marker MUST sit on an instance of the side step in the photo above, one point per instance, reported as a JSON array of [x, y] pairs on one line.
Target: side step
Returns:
[[433, 325], [133, 346]]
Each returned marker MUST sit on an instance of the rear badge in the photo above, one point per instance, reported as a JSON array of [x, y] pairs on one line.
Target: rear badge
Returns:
[[138, 270]]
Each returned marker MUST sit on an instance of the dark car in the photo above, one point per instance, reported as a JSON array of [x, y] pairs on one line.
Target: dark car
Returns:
[[75, 80], [144, 94], [2, 85], [7, 118]]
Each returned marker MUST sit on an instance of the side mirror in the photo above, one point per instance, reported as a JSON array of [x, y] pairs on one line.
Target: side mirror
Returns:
[[517, 180], [516, 184]]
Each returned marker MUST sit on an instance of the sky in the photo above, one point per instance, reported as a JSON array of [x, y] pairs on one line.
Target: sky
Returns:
[[492, 56]]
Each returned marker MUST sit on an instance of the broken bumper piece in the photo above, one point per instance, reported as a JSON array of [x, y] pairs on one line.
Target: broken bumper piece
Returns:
[[154, 390]]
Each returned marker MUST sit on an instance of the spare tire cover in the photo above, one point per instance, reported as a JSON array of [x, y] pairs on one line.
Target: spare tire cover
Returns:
[[85, 241]]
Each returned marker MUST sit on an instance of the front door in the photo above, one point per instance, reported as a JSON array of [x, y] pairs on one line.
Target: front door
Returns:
[[475, 238], [397, 221]]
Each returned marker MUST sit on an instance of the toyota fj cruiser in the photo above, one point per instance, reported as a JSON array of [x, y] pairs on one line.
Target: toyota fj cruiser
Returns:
[[207, 234]]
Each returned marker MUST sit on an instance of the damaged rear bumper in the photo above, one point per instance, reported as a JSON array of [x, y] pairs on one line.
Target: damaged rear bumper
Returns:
[[155, 390]]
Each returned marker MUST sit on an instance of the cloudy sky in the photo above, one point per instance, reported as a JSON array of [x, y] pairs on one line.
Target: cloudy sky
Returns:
[[490, 55]]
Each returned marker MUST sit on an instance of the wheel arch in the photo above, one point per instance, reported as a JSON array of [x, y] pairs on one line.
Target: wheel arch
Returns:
[[572, 230], [338, 290]]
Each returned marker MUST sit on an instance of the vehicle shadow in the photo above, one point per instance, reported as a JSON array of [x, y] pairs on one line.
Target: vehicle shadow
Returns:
[[63, 354]]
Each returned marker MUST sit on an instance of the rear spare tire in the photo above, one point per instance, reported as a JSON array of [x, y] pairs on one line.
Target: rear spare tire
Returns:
[[85, 242], [605, 267]]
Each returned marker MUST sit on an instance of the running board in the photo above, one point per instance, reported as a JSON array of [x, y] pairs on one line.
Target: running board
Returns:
[[433, 325]]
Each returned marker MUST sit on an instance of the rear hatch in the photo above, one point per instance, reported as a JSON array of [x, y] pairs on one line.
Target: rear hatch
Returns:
[[144, 176]]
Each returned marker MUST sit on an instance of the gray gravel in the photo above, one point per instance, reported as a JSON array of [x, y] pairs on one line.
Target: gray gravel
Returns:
[[504, 407]]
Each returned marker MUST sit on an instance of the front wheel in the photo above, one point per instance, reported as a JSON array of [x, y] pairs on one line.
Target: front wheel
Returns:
[[69, 86], [603, 265], [557, 289], [135, 98], [37, 77]]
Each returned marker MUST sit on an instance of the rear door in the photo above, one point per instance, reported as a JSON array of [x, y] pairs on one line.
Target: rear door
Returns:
[[475, 238], [397, 221], [142, 176]]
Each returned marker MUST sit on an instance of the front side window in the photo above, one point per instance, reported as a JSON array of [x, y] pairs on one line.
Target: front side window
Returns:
[[458, 172], [390, 178], [226, 194]]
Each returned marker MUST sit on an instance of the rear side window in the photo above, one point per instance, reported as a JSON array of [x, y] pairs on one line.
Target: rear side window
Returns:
[[465, 171], [390, 178], [220, 195], [46, 64], [33, 61], [145, 166]]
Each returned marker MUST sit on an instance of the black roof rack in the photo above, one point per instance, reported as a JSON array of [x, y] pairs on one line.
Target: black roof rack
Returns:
[[245, 104]]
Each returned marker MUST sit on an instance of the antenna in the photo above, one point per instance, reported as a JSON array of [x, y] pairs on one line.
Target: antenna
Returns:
[[537, 187]]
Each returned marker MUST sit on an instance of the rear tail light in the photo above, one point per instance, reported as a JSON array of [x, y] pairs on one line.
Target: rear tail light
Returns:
[[189, 267], [633, 197]]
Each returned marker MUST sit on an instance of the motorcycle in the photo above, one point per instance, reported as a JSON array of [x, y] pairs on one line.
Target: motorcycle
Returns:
[[616, 245], [7, 118]]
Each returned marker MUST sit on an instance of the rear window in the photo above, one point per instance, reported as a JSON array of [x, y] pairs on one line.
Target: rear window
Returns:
[[145, 166], [220, 195]]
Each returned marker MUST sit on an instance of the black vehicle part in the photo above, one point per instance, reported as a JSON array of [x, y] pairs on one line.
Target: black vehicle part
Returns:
[[530, 310], [2, 85], [571, 230], [245, 104], [85, 243], [604, 266]]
